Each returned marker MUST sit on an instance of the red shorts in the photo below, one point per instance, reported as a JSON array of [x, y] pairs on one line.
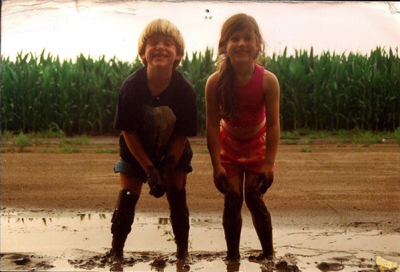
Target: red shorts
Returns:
[[239, 155]]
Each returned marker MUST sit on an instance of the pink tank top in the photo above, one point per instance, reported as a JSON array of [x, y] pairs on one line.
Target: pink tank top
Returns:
[[251, 101]]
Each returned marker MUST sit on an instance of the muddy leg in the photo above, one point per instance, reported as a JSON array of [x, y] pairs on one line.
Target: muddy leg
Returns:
[[179, 219], [261, 221], [232, 222], [122, 220]]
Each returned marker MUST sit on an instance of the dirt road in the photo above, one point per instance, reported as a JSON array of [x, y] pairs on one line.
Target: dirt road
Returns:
[[323, 185]]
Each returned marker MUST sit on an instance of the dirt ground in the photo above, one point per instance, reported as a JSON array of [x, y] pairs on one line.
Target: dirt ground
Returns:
[[322, 185]]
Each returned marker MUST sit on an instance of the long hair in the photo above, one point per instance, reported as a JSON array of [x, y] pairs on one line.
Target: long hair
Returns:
[[226, 80]]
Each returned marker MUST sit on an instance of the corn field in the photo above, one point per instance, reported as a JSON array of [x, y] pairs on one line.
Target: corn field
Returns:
[[335, 92], [325, 92]]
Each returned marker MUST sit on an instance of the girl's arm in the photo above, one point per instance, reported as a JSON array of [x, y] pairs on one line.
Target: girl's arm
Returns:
[[213, 125], [272, 93]]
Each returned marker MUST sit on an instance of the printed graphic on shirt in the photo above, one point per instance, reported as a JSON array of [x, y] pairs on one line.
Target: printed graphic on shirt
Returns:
[[158, 126]]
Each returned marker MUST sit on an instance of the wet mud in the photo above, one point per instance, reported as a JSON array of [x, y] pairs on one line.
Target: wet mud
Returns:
[[81, 243], [333, 209]]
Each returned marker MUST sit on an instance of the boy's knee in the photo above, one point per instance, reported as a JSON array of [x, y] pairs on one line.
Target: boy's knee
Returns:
[[178, 180], [130, 183]]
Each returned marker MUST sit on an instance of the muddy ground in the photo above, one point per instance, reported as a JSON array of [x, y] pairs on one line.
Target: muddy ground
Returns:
[[326, 186]]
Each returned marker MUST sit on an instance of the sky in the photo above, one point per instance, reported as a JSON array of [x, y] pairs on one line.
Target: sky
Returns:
[[111, 28]]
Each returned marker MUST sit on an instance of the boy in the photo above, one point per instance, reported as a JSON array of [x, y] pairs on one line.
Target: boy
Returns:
[[156, 113]]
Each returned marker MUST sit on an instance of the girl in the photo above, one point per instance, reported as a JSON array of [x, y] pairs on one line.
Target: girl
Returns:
[[243, 131]]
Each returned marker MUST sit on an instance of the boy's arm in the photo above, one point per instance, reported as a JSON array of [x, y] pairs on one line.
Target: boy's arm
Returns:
[[154, 179], [136, 148], [177, 146]]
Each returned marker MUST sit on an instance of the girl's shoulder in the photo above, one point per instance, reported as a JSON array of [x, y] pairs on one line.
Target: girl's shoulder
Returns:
[[214, 75], [270, 82], [211, 84], [269, 76], [213, 78]]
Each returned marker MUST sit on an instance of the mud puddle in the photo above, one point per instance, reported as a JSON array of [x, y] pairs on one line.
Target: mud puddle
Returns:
[[80, 243]]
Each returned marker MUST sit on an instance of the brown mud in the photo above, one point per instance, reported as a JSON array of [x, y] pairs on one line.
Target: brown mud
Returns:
[[334, 208]]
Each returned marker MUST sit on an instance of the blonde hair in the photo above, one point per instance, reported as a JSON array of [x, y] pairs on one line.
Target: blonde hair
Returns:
[[165, 27]]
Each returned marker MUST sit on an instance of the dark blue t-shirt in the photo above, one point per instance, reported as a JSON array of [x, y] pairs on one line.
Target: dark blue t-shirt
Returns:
[[135, 96]]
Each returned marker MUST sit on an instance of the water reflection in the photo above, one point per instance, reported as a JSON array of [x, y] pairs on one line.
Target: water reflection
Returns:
[[102, 216], [232, 266], [163, 221], [80, 216], [78, 242]]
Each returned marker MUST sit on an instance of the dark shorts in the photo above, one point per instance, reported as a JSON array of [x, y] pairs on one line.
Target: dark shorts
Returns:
[[135, 169]]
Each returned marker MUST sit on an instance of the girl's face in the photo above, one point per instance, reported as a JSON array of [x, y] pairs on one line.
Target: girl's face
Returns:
[[242, 46], [160, 51]]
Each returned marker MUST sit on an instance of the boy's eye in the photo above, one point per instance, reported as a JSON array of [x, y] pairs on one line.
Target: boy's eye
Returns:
[[169, 42], [152, 41], [165, 42]]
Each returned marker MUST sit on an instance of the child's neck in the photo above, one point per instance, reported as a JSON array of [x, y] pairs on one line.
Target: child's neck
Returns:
[[158, 80], [244, 73]]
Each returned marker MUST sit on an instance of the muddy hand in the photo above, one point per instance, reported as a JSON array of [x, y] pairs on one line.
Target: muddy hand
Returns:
[[222, 183], [266, 181], [156, 183]]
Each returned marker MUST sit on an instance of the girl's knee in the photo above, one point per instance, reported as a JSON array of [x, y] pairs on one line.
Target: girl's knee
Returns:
[[233, 200], [255, 203]]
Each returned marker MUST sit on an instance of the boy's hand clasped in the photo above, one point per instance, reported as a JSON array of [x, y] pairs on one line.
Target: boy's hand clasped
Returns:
[[158, 179], [157, 184]]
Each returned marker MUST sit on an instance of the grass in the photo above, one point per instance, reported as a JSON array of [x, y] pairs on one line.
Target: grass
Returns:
[[69, 149], [22, 141], [6, 136], [202, 151], [45, 142], [79, 140], [105, 150], [340, 137], [306, 149], [290, 135]]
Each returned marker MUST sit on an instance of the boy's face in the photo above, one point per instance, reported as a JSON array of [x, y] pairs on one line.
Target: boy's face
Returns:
[[160, 51]]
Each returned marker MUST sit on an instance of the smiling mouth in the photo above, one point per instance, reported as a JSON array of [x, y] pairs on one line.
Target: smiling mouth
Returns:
[[160, 56]]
